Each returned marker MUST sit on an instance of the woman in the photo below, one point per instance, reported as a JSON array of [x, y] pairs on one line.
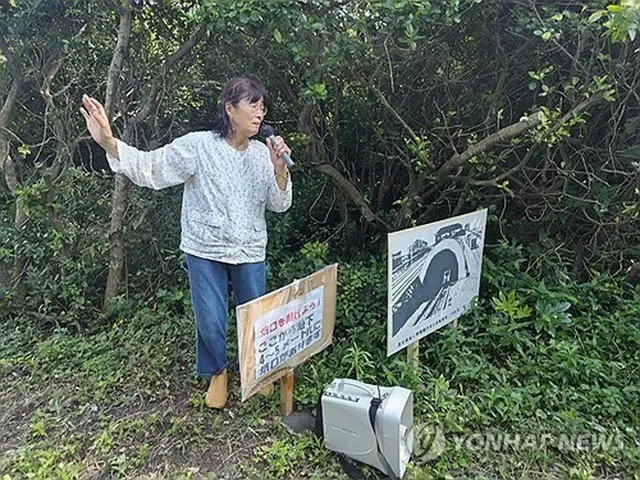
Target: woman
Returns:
[[229, 180]]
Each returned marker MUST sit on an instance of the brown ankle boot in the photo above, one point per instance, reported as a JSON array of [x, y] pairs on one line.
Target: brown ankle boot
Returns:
[[217, 393]]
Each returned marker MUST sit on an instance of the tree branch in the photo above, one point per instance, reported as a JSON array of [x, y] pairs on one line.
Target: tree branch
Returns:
[[564, 119], [18, 79], [348, 189], [169, 63], [595, 98], [513, 131], [388, 106], [502, 135], [8, 167]]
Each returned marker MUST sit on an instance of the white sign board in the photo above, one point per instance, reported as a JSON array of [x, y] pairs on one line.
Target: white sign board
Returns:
[[434, 275], [287, 330], [284, 328]]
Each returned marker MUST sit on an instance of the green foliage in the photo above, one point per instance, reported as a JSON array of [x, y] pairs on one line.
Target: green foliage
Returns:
[[542, 358], [533, 357], [375, 97], [623, 20], [289, 457], [282, 456], [360, 364], [65, 267], [46, 461]]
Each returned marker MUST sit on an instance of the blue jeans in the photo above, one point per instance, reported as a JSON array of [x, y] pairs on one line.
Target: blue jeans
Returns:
[[209, 283]]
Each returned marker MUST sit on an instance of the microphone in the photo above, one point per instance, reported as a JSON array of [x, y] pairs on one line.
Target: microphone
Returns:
[[267, 132]]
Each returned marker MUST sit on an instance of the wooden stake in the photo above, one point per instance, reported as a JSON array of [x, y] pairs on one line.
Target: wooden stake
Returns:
[[413, 353], [286, 394]]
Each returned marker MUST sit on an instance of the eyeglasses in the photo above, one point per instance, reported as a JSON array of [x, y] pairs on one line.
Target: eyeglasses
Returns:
[[255, 107]]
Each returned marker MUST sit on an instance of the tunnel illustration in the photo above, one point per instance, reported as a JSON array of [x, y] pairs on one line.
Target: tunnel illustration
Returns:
[[434, 274], [442, 266]]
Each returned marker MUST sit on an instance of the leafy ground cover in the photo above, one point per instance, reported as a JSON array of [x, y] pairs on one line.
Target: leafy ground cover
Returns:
[[531, 359]]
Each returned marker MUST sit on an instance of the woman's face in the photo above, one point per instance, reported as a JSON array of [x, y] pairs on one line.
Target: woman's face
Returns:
[[246, 117]]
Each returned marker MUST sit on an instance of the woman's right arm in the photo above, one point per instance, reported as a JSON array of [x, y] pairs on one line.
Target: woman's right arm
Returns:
[[170, 165]]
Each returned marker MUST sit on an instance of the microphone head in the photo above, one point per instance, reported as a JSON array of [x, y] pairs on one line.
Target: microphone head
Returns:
[[266, 131]]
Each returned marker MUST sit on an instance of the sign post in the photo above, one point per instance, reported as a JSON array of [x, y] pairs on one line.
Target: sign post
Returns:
[[286, 394], [413, 354]]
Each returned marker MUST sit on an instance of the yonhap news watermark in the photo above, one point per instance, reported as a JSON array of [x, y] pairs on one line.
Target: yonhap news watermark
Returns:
[[430, 441]]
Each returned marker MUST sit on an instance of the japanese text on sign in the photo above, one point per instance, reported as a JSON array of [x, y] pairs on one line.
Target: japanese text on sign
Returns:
[[286, 331]]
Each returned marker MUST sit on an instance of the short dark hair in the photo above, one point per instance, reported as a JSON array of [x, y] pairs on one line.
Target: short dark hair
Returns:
[[236, 90]]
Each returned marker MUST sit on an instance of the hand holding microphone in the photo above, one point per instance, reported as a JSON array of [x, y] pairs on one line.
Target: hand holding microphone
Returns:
[[277, 146]]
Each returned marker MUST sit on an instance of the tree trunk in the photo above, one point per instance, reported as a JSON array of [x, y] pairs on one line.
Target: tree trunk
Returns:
[[11, 177], [5, 277], [116, 239], [119, 195], [117, 250], [54, 220], [63, 151], [18, 281]]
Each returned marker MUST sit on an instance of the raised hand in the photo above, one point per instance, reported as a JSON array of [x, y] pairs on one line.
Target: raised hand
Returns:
[[98, 124]]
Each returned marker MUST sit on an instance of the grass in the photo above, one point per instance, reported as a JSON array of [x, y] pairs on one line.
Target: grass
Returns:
[[122, 402]]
